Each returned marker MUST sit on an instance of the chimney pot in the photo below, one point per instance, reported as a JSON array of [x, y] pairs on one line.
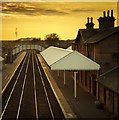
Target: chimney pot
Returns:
[[111, 13], [87, 19], [104, 13], [91, 20], [108, 13]]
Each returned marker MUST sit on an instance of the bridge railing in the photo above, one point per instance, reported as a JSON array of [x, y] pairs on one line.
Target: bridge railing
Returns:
[[27, 47]]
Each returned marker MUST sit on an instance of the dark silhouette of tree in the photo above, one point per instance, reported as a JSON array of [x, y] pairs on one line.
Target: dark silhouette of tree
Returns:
[[52, 38]]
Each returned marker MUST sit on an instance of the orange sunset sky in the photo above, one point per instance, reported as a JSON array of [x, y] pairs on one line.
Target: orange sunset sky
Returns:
[[37, 19]]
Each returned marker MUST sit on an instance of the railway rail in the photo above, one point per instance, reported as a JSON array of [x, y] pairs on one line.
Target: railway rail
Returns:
[[28, 94]]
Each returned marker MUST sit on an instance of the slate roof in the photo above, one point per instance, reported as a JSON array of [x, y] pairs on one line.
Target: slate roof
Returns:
[[110, 79], [95, 35]]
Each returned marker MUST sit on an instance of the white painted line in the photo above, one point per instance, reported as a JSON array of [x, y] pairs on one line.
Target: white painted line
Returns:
[[45, 90], [35, 88], [65, 114], [12, 89], [23, 88], [11, 76]]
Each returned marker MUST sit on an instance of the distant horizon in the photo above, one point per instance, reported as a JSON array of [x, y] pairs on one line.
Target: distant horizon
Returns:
[[39, 19], [41, 40]]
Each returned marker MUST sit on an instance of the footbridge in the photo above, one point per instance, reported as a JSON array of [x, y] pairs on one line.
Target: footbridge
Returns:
[[20, 48]]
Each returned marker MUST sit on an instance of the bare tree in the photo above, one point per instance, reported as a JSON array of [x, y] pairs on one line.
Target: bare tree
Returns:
[[52, 38]]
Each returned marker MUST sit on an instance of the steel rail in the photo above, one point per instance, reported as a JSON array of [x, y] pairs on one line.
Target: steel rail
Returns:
[[21, 97], [13, 89], [34, 79], [10, 79], [46, 94]]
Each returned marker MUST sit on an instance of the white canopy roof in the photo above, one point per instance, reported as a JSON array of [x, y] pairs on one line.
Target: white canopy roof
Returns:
[[53, 54], [75, 61], [62, 59], [69, 48]]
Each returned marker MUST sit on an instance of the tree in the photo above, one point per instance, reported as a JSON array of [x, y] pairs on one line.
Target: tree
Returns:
[[52, 38]]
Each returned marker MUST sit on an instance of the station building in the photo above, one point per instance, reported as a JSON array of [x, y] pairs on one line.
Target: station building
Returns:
[[101, 45]]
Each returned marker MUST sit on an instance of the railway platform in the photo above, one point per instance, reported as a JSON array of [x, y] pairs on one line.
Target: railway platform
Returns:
[[83, 106], [9, 69]]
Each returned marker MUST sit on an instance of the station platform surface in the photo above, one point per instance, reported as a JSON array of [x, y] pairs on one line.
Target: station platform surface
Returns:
[[83, 106], [9, 69]]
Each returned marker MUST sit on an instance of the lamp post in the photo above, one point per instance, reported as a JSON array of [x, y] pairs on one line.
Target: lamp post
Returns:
[[75, 84]]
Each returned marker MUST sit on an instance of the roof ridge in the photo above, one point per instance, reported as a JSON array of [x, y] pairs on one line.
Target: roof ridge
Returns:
[[114, 68], [105, 35], [62, 57]]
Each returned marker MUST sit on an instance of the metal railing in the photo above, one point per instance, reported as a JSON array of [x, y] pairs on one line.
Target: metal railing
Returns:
[[27, 47]]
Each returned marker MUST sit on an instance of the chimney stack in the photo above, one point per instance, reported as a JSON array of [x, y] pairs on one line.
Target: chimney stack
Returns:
[[90, 24], [106, 22]]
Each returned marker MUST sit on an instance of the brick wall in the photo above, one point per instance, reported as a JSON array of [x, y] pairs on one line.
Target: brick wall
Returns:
[[107, 52], [116, 104], [101, 93], [109, 100], [112, 100]]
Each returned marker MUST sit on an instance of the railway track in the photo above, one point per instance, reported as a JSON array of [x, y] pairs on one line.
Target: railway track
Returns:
[[28, 94]]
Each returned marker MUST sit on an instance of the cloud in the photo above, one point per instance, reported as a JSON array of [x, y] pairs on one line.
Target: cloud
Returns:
[[49, 8], [29, 9], [84, 10]]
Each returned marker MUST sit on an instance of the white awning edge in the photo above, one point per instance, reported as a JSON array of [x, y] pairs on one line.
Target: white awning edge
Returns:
[[75, 61]]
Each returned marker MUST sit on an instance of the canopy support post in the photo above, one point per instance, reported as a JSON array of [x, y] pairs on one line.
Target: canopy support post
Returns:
[[97, 91], [75, 85], [64, 78]]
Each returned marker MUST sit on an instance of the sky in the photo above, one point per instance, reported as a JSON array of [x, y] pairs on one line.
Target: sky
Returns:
[[37, 19]]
